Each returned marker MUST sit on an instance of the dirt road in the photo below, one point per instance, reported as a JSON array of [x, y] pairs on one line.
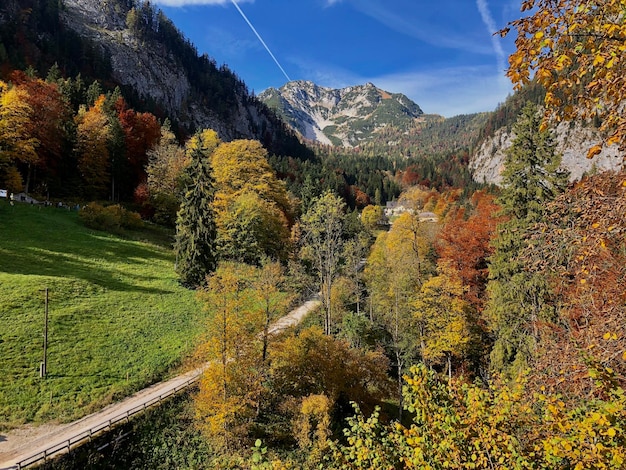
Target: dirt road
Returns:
[[24, 443]]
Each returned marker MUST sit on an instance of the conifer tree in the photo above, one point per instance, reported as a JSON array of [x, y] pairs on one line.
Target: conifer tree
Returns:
[[195, 226], [517, 298]]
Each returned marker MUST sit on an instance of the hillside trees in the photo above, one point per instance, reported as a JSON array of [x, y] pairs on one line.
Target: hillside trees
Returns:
[[196, 232], [69, 141], [518, 300], [575, 50]]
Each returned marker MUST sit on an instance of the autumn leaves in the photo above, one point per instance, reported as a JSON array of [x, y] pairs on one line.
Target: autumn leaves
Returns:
[[576, 50]]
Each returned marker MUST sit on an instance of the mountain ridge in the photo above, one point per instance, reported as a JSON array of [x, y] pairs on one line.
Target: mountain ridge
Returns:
[[340, 117]]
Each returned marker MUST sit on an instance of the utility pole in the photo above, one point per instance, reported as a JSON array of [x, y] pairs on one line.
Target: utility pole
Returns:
[[44, 365]]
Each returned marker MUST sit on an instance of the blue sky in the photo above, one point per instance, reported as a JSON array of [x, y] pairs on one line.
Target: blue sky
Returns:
[[440, 53]]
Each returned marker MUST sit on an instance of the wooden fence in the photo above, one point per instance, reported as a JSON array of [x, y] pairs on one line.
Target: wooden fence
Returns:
[[86, 436]]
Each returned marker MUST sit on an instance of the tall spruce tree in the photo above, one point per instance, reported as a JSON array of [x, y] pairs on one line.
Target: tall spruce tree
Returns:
[[195, 225], [518, 299]]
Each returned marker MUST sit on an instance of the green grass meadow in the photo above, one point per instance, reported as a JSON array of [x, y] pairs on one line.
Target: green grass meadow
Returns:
[[118, 319]]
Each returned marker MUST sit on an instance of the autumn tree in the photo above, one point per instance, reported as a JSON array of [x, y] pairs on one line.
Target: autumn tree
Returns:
[[355, 251], [518, 299], [464, 244], [252, 206], [47, 124], [322, 229], [373, 217], [142, 131], [575, 49], [92, 134], [166, 162], [313, 363], [441, 316], [579, 248], [230, 388], [16, 142], [196, 233], [273, 302], [395, 271]]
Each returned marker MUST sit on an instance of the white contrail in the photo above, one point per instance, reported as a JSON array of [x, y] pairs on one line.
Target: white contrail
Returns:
[[489, 22], [260, 39]]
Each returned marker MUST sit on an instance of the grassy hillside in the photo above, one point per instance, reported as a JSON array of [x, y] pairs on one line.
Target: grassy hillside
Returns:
[[118, 319]]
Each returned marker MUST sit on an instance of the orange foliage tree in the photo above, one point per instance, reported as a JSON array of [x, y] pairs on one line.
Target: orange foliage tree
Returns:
[[580, 247], [47, 123], [16, 142], [142, 132], [464, 244]]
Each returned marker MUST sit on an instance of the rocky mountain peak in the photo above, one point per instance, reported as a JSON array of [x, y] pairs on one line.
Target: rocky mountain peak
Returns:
[[346, 116]]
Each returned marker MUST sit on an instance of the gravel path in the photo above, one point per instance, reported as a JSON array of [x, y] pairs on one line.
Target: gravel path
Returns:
[[28, 441]]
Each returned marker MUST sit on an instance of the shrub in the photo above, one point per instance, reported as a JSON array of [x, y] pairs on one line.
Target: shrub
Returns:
[[110, 218]]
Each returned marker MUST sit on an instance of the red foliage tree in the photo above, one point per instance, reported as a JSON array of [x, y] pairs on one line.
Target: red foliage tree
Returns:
[[50, 114], [464, 244], [142, 132]]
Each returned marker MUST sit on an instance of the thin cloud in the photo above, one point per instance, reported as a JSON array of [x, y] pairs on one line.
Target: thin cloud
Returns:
[[223, 40], [450, 91], [490, 24]]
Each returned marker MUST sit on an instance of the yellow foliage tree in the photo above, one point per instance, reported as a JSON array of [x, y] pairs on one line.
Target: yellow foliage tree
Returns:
[[468, 426], [228, 398], [248, 197], [93, 132], [166, 163], [372, 217], [16, 143], [394, 273], [576, 50], [441, 315], [312, 426]]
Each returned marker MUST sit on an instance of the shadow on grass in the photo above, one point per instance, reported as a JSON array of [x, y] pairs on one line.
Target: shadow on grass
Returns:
[[45, 243]]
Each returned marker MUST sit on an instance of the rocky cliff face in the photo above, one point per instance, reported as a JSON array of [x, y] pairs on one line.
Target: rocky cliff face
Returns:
[[158, 76], [346, 117], [573, 142], [147, 67]]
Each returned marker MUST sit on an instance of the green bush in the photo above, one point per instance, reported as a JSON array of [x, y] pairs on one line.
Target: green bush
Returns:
[[110, 218]]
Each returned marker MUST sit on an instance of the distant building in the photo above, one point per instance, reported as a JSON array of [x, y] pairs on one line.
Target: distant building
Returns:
[[428, 217], [394, 209], [23, 197]]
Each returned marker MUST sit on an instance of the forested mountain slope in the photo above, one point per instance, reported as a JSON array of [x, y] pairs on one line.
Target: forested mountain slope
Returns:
[[136, 47]]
